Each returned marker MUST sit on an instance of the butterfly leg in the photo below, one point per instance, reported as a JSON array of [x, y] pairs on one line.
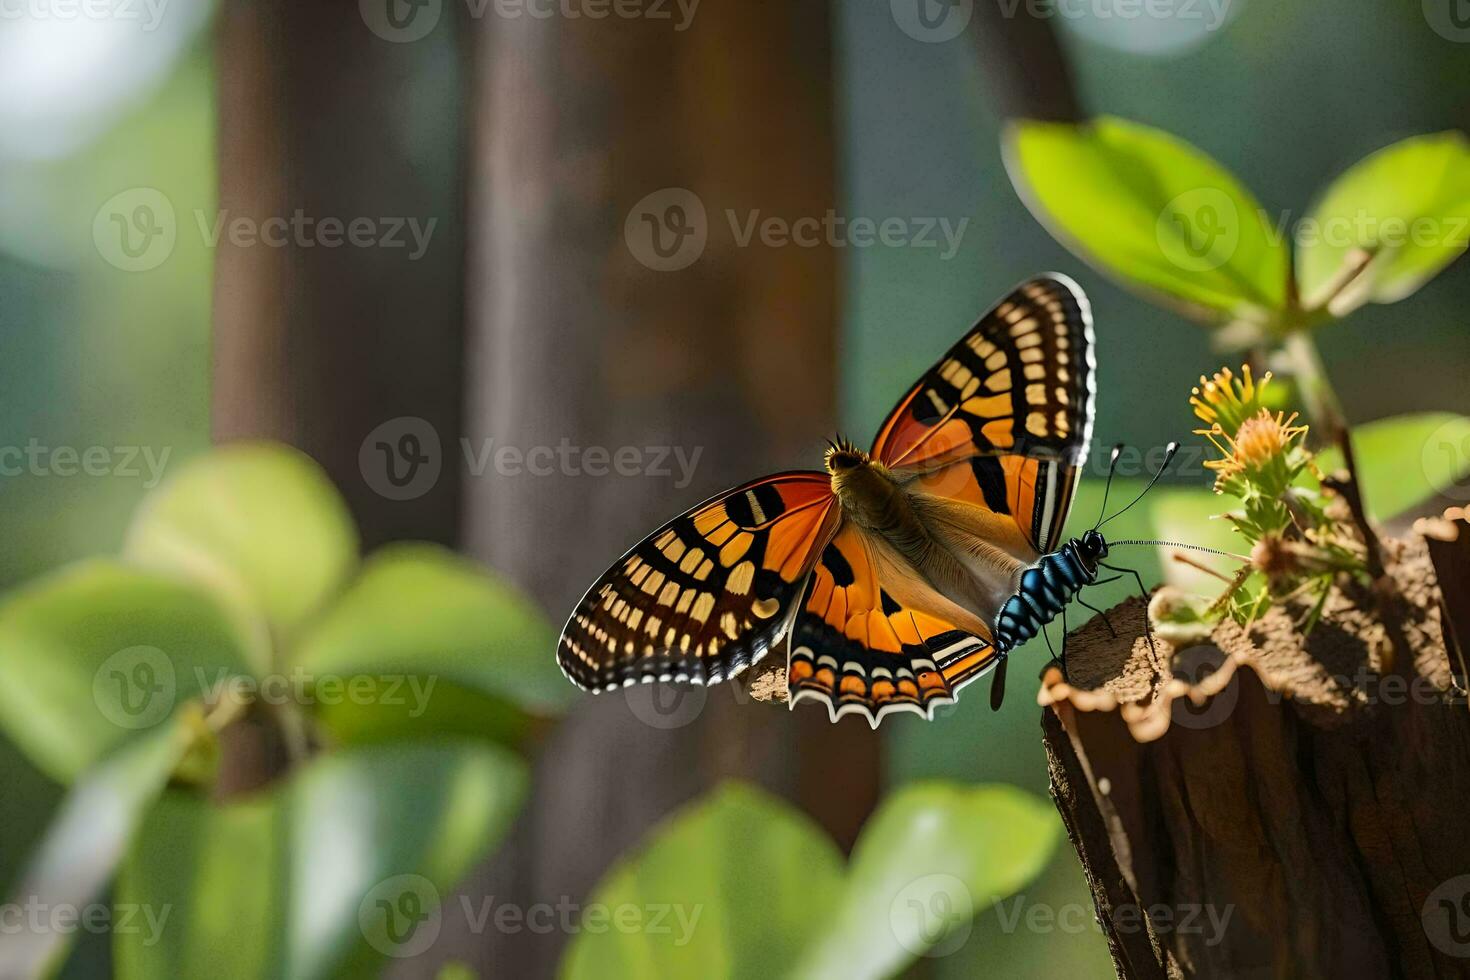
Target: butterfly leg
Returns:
[[1101, 615], [1143, 591], [998, 684], [1063, 657]]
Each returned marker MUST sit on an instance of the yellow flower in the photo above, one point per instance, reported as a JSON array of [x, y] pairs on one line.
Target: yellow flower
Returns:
[[1227, 401], [1258, 446]]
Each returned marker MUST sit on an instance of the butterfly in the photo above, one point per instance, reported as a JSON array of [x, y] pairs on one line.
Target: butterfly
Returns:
[[895, 576]]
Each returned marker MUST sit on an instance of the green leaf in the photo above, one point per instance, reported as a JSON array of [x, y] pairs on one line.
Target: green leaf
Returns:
[[259, 522], [1153, 211], [1408, 203], [100, 652], [87, 839], [929, 859], [394, 708], [1190, 515], [420, 609], [302, 881], [1406, 459], [729, 887]]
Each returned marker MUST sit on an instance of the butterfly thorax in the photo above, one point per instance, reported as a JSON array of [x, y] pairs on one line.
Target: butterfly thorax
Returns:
[[872, 498]]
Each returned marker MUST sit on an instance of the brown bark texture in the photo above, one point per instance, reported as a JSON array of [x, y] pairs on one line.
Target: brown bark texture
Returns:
[[1264, 804]]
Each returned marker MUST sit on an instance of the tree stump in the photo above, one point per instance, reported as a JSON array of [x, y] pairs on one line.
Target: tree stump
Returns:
[[1265, 804]]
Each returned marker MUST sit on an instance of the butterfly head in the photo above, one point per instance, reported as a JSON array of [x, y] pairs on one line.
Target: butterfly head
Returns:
[[1092, 547], [843, 455]]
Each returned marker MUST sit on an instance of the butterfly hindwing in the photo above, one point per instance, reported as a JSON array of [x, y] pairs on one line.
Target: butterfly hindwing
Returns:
[[707, 594], [872, 637]]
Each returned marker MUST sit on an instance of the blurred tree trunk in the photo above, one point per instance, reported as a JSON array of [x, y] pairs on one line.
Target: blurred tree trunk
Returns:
[[578, 342], [318, 344], [315, 344]]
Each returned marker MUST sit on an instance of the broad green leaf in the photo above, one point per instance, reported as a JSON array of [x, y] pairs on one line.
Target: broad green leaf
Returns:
[[1190, 515], [87, 839], [1153, 211], [731, 887], [420, 609], [932, 857], [331, 874], [368, 709], [1408, 203], [1406, 459], [259, 522], [100, 652]]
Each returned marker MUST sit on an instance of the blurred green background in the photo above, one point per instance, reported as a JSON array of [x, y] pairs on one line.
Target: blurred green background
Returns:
[[1286, 95]]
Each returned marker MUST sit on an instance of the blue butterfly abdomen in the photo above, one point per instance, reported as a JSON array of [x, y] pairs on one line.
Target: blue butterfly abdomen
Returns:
[[1046, 588]]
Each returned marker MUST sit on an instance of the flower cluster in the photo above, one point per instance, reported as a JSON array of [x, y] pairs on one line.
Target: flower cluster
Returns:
[[1298, 544]]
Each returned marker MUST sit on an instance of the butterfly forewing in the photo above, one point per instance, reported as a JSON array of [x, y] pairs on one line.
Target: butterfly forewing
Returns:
[[1005, 417], [706, 595]]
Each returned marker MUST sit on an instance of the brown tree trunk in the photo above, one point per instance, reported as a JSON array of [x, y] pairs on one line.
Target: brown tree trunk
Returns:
[[1263, 806], [584, 336], [319, 342]]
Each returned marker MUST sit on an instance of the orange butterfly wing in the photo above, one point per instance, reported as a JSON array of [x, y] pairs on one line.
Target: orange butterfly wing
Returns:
[[1004, 419], [873, 638], [707, 594]]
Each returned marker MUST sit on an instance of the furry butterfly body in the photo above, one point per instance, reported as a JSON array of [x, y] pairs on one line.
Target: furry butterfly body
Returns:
[[896, 576]]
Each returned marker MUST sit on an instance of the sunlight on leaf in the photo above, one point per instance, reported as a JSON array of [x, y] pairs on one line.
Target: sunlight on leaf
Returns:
[[99, 653], [305, 880], [739, 882], [1408, 203], [932, 857], [260, 523], [421, 609], [1189, 515], [1152, 211], [87, 838], [1406, 459]]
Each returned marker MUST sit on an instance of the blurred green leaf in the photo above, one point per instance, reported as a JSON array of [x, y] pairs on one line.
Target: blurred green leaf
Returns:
[[737, 883], [1151, 210], [259, 522], [420, 609], [87, 839], [343, 866], [1188, 515], [1408, 203], [100, 652], [456, 971], [932, 857], [419, 707], [1406, 459]]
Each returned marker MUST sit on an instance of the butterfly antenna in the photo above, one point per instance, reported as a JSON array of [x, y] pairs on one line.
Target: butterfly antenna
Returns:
[[1187, 547], [1168, 457], [1112, 465]]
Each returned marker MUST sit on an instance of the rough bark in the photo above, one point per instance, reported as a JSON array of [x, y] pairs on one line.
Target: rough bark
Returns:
[[1263, 805]]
